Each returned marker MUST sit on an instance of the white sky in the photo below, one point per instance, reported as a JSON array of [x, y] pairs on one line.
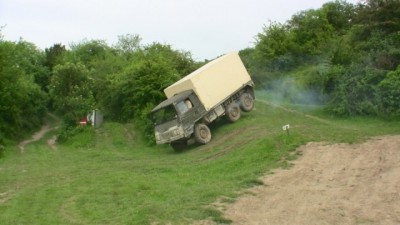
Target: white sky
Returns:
[[206, 28]]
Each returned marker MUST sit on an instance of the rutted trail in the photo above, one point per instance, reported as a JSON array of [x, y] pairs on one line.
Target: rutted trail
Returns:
[[39, 135]]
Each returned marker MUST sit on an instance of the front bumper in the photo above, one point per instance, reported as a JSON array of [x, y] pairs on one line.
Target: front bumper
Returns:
[[171, 135]]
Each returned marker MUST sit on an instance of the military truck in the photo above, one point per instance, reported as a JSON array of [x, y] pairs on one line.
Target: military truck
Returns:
[[220, 88]]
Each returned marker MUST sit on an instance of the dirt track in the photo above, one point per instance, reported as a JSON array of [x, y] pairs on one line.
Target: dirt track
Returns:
[[329, 184], [35, 137], [39, 135]]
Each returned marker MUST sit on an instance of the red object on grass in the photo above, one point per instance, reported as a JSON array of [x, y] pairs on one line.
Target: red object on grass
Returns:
[[83, 121]]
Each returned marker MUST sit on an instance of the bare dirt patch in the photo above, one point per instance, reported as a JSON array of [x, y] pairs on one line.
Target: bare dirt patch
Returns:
[[35, 137], [4, 197], [329, 184], [52, 142]]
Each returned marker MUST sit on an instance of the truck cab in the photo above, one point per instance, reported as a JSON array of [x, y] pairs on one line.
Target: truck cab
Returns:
[[175, 117]]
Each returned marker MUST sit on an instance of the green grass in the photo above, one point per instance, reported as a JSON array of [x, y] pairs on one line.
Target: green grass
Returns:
[[109, 176]]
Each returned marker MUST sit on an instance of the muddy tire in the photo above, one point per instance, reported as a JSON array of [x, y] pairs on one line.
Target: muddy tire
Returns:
[[246, 102], [202, 133], [179, 146], [232, 112]]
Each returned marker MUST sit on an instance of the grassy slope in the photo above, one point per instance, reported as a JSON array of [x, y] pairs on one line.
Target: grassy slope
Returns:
[[110, 177]]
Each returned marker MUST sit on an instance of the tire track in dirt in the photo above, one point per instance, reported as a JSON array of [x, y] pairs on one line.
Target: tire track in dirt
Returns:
[[35, 137], [247, 134], [39, 135]]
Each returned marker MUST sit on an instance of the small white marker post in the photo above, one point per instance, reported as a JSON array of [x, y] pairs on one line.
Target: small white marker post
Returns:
[[286, 128]]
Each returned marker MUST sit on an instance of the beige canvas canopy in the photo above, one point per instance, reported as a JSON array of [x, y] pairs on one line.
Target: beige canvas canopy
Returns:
[[214, 81]]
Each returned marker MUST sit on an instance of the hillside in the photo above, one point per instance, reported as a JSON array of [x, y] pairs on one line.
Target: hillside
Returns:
[[109, 176], [332, 74]]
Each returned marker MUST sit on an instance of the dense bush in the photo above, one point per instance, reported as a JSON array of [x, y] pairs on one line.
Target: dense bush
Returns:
[[346, 50], [22, 102], [389, 94], [355, 91]]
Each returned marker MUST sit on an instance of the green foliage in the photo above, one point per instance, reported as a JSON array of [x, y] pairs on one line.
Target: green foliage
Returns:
[[339, 15], [375, 15], [70, 90], [88, 52], [23, 103], [389, 94], [76, 136], [305, 38], [274, 41], [145, 80], [311, 30], [128, 44], [181, 61], [55, 55], [131, 93], [355, 91], [371, 48], [342, 52], [339, 50]]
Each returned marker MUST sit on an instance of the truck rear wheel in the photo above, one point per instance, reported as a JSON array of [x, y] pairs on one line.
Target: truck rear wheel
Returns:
[[233, 112], [246, 102], [202, 133]]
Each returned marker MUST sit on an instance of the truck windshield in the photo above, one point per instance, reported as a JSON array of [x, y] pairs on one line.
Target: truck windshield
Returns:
[[164, 115], [184, 106]]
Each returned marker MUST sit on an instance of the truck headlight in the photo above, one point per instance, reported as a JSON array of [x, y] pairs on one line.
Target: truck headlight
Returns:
[[177, 132]]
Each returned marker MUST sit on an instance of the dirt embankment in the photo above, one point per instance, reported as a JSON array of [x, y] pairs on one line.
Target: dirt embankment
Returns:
[[329, 184]]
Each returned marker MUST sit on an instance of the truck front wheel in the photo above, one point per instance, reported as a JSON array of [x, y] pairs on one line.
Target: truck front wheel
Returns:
[[232, 112], [246, 102], [202, 133]]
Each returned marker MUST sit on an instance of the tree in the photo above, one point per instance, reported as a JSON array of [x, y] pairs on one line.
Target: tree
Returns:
[[88, 52], [71, 92], [128, 44], [383, 15], [375, 33], [142, 82], [274, 41], [55, 55], [306, 37], [31, 60], [181, 61], [22, 101], [340, 15], [311, 32]]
